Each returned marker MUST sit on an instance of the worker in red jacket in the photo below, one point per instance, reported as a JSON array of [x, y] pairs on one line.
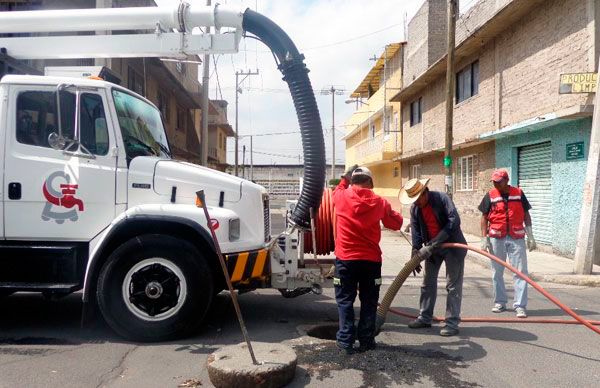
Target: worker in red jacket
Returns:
[[359, 212]]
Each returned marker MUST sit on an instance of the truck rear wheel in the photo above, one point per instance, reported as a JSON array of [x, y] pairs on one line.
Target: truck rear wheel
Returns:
[[155, 288]]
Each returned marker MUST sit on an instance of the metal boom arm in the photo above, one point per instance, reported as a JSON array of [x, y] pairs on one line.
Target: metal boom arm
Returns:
[[163, 42]]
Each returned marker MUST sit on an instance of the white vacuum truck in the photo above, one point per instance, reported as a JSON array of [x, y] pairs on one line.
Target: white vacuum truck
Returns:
[[93, 201]]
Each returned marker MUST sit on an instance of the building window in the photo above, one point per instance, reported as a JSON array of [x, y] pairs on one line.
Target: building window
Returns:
[[396, 172], [467, 82], [372, 131], [414, 171], [163, 106], [135, 81], [396, 122], [466, 173], [181, 118], [416, 111], [180, 66]]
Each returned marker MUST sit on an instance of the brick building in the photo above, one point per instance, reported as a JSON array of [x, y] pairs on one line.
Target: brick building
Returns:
[[508, 112]]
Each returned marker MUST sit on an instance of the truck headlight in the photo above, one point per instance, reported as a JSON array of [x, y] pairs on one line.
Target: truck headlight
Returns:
[[234, 229]]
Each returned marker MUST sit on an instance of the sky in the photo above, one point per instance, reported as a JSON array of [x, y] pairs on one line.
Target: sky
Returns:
[[337, 38]]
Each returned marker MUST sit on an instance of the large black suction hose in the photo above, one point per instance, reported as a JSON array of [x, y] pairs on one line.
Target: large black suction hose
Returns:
[[295, 73]]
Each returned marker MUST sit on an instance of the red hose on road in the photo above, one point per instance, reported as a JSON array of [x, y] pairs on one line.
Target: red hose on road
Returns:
[[496, 320], [579, 320]]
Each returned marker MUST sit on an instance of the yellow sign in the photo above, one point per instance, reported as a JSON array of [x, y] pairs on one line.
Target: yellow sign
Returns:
[[578, 83]]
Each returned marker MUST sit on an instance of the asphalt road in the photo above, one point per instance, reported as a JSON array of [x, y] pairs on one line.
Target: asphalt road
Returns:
[[42, 344]]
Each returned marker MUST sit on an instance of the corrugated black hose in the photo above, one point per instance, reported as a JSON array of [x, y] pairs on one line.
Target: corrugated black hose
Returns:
[[295, 73]]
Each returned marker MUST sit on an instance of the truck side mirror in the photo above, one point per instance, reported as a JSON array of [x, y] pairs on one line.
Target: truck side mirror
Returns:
[[56, 140]]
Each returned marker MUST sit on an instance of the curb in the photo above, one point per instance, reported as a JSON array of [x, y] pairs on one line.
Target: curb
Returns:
[[568, 279]]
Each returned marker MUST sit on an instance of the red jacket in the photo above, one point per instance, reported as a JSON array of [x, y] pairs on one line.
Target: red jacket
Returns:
[[506, 217], [358, 213]]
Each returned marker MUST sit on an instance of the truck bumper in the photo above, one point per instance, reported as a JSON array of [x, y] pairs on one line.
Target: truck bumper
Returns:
[[250, 269]]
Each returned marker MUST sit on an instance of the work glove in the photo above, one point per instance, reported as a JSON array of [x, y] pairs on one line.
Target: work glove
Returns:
[[348, 173], [425, 252], [486, 244], [531, 244], [441, 238], [418, 268]]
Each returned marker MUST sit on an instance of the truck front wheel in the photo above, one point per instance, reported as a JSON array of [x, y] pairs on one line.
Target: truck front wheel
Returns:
[[155, 288]]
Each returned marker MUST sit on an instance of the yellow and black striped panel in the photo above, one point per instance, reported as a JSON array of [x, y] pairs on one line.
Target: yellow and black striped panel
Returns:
[[245, 266]]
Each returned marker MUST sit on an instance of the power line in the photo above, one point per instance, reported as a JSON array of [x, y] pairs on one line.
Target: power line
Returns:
[[338, 42], [271, 134]]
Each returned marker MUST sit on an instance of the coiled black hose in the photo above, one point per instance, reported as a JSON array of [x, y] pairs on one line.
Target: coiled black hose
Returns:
[[295, 73]]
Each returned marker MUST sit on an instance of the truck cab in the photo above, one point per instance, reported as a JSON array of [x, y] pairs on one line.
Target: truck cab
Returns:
[[93, 202]]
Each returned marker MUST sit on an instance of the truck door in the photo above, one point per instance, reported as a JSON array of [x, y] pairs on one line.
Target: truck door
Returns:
[[58, 190], [3, 100]]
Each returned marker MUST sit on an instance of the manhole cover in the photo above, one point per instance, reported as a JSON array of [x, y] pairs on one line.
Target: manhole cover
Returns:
[[326, 332]]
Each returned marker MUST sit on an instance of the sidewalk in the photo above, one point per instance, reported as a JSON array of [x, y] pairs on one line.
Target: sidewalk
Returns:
[[544, 267]]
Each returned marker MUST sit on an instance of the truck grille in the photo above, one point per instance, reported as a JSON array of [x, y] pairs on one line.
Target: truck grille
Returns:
[[267, 217]]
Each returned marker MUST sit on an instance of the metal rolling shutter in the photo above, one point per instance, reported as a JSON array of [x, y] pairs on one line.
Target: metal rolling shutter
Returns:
[[535, 179]]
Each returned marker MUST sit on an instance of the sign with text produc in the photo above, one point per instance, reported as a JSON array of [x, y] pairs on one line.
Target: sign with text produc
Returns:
[[575, 151], [578, 83]]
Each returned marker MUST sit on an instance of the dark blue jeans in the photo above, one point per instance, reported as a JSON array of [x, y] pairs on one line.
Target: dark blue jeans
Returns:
[[364, 277]]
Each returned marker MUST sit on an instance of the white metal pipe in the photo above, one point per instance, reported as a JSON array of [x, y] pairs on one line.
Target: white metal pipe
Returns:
[[113, 19]]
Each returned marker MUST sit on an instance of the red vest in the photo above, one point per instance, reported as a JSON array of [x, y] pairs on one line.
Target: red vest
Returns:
[[506, 217]]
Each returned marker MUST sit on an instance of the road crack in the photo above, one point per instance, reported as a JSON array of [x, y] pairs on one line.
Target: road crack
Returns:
[[116, 371]]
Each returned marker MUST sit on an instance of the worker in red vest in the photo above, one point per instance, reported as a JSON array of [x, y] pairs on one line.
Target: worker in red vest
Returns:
[[505, 221], [360, 213]]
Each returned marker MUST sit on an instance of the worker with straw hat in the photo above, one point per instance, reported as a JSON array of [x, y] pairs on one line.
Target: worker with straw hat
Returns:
[[434, 221]]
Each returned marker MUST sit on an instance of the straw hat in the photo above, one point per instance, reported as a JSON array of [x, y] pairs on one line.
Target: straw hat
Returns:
[[411, 190]]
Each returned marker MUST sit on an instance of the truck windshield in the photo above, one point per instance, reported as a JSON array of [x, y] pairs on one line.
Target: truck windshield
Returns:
[[141, 126]]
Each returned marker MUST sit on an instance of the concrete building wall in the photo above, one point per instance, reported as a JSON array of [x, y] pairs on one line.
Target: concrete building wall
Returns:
[[467, 202], [534, 52], [519, 74], [427, 32], [567, 175], [387, 179]]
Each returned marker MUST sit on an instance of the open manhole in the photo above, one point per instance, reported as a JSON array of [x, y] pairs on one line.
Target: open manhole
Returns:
[[326, 332]]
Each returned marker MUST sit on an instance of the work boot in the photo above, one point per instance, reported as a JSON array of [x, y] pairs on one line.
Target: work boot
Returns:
[[346, 349], [418, 324], [448, 331], [366, 346]]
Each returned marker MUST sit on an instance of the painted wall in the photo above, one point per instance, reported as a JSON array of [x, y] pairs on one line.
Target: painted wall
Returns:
[[567, 175], [387, 179]]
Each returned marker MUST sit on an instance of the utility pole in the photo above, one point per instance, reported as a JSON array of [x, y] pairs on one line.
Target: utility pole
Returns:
[[246, 74], [251, 160], [244, 161], [452, 10], [333, 90], [204, 121], [588, 236]]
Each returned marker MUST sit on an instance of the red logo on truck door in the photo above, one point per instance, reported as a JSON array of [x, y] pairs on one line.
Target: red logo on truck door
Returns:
[[60, 194]]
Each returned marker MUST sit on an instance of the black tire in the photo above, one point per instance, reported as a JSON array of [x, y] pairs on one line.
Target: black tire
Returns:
[[160, 306]]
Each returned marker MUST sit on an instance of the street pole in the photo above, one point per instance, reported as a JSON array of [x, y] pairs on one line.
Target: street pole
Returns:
[[452, 9], [332, 132], [251, 160], [333, 91], [244, 161], [204, 121], [237, 92], [588, 235]]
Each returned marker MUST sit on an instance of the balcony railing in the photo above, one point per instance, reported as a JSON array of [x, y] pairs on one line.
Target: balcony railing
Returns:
[[379, 148]]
